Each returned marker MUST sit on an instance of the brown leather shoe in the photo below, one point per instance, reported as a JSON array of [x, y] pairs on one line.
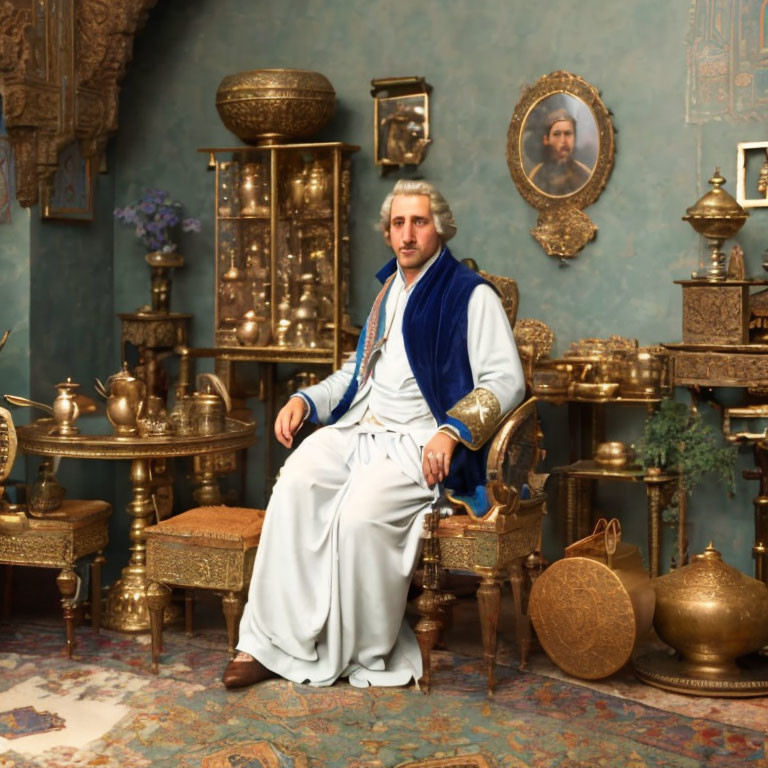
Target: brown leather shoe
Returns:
[[240, 674]]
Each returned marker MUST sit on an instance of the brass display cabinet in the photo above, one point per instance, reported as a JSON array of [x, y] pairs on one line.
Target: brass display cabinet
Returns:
[[282, 252]]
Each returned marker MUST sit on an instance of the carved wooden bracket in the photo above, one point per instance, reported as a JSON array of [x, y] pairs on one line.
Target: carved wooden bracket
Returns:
[[61, 62]]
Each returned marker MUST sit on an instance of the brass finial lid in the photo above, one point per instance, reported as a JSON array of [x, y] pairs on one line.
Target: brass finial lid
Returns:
[[707, 573], [67, 385], [709, 554], [715, 204]]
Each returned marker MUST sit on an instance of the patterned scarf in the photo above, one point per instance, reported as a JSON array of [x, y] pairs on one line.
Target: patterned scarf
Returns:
[[373, 333]]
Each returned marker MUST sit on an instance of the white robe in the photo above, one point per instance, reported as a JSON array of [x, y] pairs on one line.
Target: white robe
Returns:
[[343, 525]]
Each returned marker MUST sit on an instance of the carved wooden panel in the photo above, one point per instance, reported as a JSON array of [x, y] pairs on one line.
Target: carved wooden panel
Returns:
[[61, 62]]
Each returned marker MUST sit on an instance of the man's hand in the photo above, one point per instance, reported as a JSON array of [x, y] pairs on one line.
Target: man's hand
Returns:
[[436, 458], [289, 420]]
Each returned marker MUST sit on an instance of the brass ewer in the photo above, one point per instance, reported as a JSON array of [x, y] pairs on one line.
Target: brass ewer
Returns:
[[711, 614], [65, 408], [125, 401], [716, 216]]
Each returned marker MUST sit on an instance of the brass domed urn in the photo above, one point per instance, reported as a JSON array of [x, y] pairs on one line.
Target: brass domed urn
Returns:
[[713, 616], [716, 216]]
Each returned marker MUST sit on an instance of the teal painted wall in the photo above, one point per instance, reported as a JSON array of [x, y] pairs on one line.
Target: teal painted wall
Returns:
[[477, 57], [15, 304]]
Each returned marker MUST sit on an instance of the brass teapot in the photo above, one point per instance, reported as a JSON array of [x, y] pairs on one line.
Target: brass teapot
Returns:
[[125, 401]]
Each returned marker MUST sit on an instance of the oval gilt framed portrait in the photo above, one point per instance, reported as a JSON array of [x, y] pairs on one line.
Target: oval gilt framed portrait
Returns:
[[560, 142]]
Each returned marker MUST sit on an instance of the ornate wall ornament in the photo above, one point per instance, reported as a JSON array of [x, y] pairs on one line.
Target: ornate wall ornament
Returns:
[[46, 48], [560, 152]]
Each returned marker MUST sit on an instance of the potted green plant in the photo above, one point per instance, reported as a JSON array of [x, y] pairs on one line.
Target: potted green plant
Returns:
[[676, 440]]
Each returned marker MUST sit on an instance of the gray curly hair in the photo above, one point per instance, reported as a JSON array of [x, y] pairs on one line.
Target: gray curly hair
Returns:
[[441, 211]]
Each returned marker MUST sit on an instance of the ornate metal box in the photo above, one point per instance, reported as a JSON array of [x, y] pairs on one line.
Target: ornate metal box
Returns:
[[715, 313]]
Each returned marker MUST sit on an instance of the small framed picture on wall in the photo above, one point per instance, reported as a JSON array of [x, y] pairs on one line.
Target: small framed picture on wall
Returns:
[[70, 195]]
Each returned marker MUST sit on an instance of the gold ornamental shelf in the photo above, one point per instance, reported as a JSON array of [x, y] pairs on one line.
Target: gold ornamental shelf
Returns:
[[579, 478], [561, 399], [266, 354]]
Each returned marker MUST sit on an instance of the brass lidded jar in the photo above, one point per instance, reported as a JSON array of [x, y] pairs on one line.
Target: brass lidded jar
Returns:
[[711, 614]]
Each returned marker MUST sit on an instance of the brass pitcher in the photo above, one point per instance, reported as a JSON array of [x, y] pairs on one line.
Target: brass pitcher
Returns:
[[65, 408], [125, 401]]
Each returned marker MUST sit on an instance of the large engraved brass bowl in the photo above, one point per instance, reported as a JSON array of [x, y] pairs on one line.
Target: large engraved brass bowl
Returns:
[[711, 614], [263, 106]]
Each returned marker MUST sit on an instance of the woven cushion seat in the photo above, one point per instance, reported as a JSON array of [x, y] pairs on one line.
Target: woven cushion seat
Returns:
[[215, 526], [212, 548]]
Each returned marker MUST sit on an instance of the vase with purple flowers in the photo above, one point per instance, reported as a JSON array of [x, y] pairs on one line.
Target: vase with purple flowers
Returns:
[[157, 220]]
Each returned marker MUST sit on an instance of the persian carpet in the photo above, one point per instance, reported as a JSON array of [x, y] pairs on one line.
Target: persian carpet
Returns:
[[106, 708]]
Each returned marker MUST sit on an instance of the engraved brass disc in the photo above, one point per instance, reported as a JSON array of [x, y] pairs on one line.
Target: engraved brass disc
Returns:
[[665, 669], [583, 617]]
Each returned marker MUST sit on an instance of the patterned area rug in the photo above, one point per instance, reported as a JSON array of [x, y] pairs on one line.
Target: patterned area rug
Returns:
[[105, 708]]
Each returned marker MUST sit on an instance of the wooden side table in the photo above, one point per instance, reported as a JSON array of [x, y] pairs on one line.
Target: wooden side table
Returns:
[[59, 540], [580, 478]]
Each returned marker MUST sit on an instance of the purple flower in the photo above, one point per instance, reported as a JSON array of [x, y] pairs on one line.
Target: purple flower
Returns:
[[155, 218]]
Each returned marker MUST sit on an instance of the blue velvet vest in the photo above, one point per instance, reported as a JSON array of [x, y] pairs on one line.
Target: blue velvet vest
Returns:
[[435, 338]]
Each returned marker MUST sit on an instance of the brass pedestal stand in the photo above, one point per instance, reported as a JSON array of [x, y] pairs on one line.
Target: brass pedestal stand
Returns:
[[665, 669], [126, 609]]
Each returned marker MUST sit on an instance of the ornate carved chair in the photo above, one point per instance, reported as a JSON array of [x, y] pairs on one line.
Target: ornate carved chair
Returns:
[[493, 545], [211, 547], [496, 541], [55, 539]]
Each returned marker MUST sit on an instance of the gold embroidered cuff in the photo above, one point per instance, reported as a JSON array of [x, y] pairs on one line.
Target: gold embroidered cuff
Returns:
[[476, 416]]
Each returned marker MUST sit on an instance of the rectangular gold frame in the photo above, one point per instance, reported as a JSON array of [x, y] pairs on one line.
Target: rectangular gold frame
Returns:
[[392, 90]]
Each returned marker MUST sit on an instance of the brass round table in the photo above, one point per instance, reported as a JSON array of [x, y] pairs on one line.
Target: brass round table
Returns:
[[126, 609]]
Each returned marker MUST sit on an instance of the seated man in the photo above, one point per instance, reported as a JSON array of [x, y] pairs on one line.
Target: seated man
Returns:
[[435, 370]]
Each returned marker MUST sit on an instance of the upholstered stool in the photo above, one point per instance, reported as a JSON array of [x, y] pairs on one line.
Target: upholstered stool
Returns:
[[203, 548], [58, 540]]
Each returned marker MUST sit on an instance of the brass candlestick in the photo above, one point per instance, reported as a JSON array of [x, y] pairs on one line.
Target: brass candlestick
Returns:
[[716, 216]]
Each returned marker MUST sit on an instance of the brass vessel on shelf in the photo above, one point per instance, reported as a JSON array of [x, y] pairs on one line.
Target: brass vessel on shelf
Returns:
[[551, 380], [614, 454], [593, 390], [263, 106], [716, 216], [711, 614], [645, 373]]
